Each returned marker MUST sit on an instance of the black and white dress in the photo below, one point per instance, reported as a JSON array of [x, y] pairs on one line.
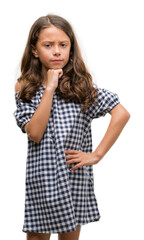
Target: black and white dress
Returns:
[[56, 199]]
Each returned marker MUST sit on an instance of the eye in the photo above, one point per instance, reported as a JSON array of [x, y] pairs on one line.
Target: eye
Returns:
[[48, 45], [63, 45]]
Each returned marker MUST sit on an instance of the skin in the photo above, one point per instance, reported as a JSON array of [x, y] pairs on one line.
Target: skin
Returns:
[[53, 43], [61, 236], [46, 52], [59, 49], [35, 128], [119, 118]]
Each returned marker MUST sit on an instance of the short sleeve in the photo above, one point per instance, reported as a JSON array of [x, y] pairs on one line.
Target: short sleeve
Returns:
[[106, 101], [23, 113]]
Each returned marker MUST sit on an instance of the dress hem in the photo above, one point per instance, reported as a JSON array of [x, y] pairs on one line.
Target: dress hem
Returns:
[[71, 230]]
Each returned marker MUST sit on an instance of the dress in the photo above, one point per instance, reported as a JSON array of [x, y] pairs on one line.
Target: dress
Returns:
[[57, 200]]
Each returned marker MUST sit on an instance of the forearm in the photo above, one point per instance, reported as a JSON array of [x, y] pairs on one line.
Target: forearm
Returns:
[[119, 118], [36, 127]]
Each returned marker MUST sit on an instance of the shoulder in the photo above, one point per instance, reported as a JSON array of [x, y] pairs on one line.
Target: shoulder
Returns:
[[17, 87]]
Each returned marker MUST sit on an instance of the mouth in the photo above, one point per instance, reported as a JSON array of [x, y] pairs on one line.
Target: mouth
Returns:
[[57, 61]]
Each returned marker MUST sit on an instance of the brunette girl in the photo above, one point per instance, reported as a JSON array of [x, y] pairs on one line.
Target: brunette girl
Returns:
[[56, 101]]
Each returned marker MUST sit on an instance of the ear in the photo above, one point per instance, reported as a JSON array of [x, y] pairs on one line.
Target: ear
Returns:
[[34, 51]]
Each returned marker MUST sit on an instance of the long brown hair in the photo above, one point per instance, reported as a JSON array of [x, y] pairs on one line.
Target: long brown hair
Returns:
[[76, 82]]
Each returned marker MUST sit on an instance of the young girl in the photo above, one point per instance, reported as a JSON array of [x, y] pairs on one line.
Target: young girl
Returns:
[[56, 101]]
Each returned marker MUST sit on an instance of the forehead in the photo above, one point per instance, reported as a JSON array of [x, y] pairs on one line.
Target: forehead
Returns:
[[53, 33]]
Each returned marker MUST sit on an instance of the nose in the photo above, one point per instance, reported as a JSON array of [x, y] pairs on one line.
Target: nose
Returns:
[[56, 50]]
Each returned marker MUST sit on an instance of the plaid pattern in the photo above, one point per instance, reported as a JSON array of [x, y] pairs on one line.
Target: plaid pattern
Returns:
[[57, 200]]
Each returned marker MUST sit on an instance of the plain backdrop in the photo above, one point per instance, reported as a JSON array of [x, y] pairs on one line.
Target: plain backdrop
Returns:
[[111, 38]]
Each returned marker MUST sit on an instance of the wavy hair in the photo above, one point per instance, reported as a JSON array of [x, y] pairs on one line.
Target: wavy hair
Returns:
[[76, 82]]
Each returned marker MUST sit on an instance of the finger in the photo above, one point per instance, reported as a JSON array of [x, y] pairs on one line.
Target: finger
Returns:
[[71, 151], [75, 167], [72, 161], [60, 73], [71, 156]]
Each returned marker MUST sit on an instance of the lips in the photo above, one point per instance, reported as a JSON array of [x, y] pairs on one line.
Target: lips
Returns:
[[56, 60]]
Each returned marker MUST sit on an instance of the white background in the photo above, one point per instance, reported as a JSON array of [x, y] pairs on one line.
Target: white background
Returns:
[[111, 38]]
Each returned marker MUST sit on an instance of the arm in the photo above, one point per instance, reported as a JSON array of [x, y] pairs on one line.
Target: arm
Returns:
[[119, 118], [36, 127]]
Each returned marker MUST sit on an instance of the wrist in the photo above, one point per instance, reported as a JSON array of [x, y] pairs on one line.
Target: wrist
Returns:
[[97, 155], [50, 89]]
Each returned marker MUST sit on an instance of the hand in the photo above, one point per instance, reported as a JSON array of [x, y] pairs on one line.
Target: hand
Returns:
[[81, 158], [52, 78]]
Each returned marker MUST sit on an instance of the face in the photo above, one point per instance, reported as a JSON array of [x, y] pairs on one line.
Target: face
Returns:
[[53, 44]]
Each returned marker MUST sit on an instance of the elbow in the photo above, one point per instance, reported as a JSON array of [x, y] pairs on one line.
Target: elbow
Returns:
[[126, 115], [124, 118], [120, 113], [34, 137], [33, 134]]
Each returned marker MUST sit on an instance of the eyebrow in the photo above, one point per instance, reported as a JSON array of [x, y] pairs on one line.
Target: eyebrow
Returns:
[[53, 42]]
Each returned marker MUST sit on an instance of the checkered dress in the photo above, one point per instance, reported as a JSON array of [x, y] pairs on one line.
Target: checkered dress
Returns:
[[57, 200]]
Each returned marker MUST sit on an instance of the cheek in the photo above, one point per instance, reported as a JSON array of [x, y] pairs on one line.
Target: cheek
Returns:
[[44, 56], [67, 54]]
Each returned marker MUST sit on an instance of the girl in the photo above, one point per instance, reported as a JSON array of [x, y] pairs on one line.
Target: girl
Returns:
[[56, 101]]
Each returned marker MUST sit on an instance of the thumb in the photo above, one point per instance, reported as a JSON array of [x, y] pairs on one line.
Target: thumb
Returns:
[[60, 74]]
